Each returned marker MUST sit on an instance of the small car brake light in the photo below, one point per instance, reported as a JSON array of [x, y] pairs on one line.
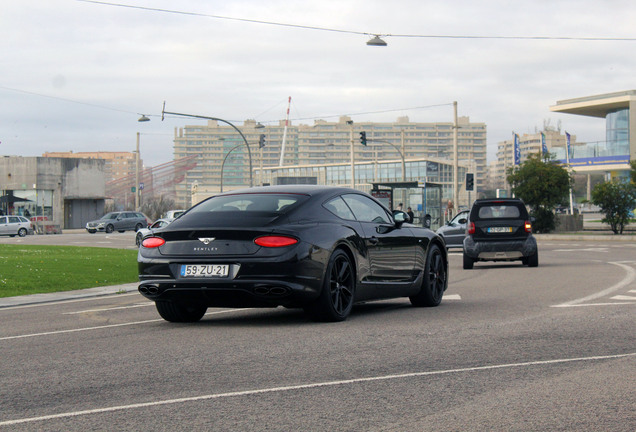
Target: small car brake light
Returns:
[[528, 227], [153, 242], [275, 241], [471, 228]]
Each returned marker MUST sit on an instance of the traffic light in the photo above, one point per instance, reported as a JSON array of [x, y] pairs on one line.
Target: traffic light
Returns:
[[470, 181], [363, 138], [261, 141]]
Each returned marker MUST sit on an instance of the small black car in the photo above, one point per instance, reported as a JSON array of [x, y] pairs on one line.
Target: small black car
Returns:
[[499, 230], [314, 247]]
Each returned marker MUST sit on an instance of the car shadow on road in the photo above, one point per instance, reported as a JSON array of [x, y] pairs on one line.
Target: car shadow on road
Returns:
[[281, 317]]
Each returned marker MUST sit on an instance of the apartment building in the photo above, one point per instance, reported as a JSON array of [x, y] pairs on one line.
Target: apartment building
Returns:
[[224, 160]]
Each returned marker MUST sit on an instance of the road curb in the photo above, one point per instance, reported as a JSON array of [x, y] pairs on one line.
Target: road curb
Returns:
[[34, 299]]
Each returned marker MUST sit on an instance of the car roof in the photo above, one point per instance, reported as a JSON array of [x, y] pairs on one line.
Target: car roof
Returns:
[[311, 190], [498, 200]]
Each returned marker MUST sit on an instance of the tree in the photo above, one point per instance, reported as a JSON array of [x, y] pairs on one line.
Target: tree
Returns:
[[616, 199], [542, 183], [155, 207]]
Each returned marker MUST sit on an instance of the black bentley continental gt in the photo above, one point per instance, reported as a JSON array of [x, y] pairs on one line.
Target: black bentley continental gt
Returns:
[[318, 248]]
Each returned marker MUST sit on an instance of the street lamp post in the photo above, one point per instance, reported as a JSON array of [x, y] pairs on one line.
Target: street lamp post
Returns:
[[143, 118], [223, 163], [249, 151], [399, 152]]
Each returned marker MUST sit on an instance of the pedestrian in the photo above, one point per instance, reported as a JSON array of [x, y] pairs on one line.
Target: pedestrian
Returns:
[[409, 211], [399, 207]]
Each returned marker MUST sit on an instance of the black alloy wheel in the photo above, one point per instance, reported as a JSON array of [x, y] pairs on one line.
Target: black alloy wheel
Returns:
[[336, 299], [435, 280], [109, 228], [180, 311], [138, 227]]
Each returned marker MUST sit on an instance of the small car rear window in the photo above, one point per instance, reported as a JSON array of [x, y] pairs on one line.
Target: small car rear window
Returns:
[[499, 212]]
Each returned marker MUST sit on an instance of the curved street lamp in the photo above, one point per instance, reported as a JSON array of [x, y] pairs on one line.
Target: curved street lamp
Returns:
[[249, 152], [396, 149], [223, 163]]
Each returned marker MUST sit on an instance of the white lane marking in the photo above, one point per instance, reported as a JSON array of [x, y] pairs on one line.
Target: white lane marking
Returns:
[[598, 304], [110, 309], [623, 297], [452, 297], [307, 386], [628, 279], [589, 249], [103, 327]]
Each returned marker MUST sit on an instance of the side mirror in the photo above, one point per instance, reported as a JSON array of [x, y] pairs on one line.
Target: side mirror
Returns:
[[427, 221], [400, 217], [462, 221]]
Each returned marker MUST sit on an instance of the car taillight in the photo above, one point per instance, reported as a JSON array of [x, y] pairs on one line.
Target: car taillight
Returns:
[[153, 242], [528, 227], [275, 241], [470, 228]]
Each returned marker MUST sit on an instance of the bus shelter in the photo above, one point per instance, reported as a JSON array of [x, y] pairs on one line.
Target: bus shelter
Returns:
[[424, 198]]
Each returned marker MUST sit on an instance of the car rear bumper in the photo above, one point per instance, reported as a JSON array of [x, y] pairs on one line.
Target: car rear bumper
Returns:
[[500, 250], [253, 283]]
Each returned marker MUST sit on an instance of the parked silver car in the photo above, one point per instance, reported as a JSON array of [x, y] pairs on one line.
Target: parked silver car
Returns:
[[15, 226], [120, 221]]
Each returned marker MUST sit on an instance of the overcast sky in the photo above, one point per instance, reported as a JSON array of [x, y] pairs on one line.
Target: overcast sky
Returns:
[[76, 75]]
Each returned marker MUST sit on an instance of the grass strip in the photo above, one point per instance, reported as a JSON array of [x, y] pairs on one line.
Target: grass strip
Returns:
[[30, 269]]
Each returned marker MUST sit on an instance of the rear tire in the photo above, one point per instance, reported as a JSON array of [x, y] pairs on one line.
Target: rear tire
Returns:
[[468, 262], [435, 280], [533, 260], [22, 232], [138, 239], [180, 312], [109, 229], [138, 227], [336, 297]]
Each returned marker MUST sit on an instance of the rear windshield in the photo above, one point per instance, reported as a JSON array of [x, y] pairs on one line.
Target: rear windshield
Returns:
[[498, 211], [257, 202]]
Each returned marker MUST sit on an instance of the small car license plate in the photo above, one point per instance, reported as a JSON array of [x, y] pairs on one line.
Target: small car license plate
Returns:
[[204, 270], [500, 229]]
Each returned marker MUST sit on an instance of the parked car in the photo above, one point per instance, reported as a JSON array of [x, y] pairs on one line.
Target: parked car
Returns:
[[313, 247], [500, 230], [173, 214], [143, 232], [120, 221], [454, 231], [15, 226]]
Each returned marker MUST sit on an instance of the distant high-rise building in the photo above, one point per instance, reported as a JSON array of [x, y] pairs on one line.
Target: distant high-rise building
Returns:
[[223, 157]]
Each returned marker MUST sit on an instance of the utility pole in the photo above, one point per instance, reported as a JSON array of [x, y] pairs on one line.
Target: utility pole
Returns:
[[455, 167], [353, 167], [137, 175]]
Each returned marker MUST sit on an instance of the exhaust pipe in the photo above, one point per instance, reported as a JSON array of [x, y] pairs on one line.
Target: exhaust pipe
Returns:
[[267, 291], [149, 289]]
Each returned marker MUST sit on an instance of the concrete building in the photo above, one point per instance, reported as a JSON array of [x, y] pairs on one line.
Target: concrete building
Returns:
[[69, 192], [117, 165], [223, 158]]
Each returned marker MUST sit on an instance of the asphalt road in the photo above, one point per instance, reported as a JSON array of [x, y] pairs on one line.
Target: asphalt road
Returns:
[[510, 348]]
